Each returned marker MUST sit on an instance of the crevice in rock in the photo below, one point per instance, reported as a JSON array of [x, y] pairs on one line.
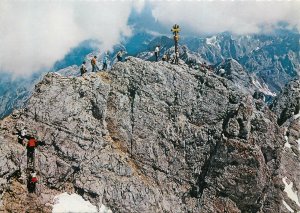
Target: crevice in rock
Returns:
[[132, 93], [96, 111], [283, 117], [197, 190]]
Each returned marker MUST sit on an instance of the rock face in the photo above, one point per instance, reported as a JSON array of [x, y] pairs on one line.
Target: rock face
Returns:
[[147, 137], [287, 108], [273, 58], [245, 82]]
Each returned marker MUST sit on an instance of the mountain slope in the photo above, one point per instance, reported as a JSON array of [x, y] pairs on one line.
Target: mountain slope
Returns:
[[147, 137]]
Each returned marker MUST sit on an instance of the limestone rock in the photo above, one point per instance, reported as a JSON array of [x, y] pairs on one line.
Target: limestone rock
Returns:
[[148, 137]]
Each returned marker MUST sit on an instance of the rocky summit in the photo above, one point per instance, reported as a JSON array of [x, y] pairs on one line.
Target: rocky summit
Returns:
[[153, 137]]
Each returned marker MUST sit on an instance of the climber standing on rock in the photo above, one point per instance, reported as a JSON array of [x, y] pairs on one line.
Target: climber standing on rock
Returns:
[[83, 69], [120, 55], [177, 57], [156, 52], [105, 60], [95, 68]]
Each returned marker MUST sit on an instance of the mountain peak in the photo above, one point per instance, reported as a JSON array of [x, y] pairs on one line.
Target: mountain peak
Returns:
[[146, 136]]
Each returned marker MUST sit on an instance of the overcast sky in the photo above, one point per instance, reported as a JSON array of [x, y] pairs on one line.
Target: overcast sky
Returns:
[[35, 34]]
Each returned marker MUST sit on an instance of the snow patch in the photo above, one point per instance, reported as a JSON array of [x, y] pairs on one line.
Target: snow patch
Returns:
[[289, 190], [263, 88], [287, 206], [72, 203], [212, 41], [104, 209]]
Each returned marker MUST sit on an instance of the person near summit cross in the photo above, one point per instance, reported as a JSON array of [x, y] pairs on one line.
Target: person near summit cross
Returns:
[[95, 68], [156, 52], [83, 69], [164, 57], [177, 58]]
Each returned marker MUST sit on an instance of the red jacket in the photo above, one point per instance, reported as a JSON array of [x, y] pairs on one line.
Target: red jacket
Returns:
[[32, 142], [33, 179]]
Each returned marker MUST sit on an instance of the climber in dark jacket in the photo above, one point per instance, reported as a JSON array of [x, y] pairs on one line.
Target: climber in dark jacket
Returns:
[[83, 69], [120, 55]]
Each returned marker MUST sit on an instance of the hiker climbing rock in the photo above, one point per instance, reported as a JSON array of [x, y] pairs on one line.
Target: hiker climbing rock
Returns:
[[105, 61], [156, 52], [32, 143], [32, 180], [164, 57], [83, 69], [95, 68]]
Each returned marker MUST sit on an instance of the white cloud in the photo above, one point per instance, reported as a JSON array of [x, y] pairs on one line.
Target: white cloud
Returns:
[[239, 17], [34, 34]]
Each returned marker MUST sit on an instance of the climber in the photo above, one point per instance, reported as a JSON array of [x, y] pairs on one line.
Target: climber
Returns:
[[83, 69], [164, 57], [177, 57], [222, 72], [32, 143], [120, 55], [95, 68], [156, 52], [105, 60], [32, 180]]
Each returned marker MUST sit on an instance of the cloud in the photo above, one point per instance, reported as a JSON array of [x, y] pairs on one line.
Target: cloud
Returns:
[[35, 34], [240, 17]]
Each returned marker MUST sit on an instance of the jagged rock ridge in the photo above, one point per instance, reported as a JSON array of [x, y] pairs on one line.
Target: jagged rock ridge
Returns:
[[147, 137]]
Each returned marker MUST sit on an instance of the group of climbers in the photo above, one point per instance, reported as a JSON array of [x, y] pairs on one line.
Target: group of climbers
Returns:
[[120, 54], [166, 57], [105, 61], [31, 143]]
